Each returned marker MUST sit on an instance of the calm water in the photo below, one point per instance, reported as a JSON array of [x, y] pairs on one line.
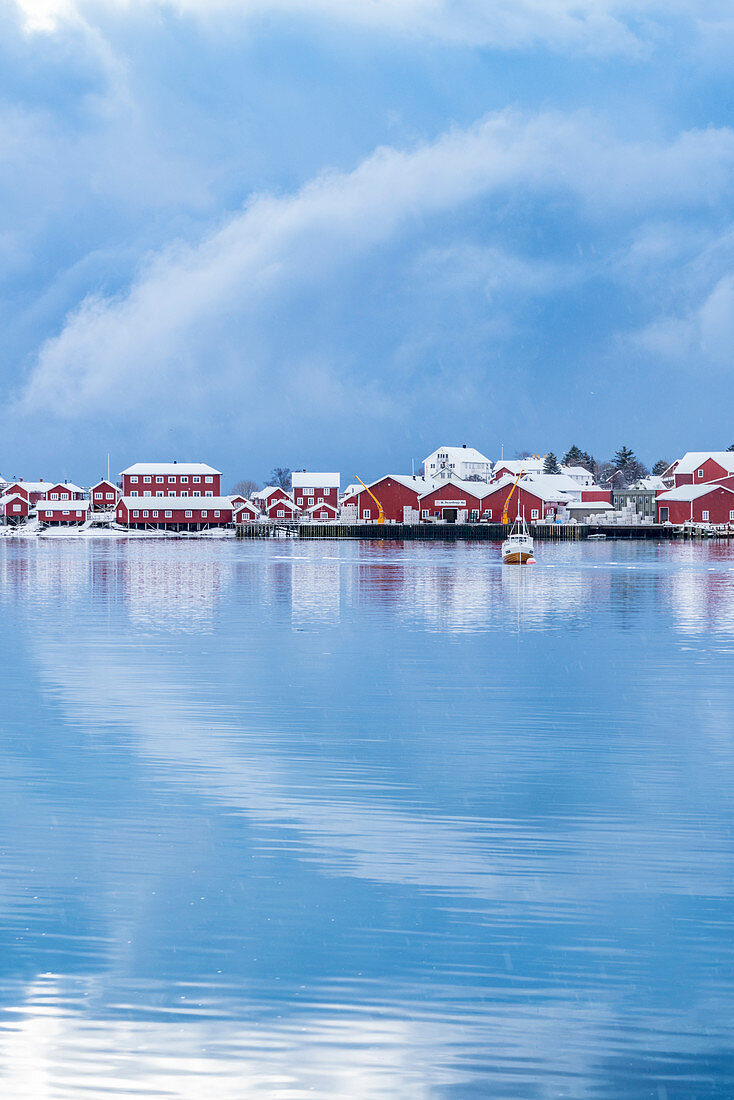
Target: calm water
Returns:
[[352, 820]]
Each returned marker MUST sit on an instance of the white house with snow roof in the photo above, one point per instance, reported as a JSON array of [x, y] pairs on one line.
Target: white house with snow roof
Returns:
[[463, 462]]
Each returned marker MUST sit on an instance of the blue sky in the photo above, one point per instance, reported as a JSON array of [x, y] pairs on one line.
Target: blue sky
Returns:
[[336, 235]]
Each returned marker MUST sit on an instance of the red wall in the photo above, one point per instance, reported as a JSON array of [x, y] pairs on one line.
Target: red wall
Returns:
[[65, 493], [718, 503], [711, 472], [172, 483], [275, 505], [597, 494], [24, 508], [104, 504], [330, 496], [177, 514], [18, 487], [58, 520], [449, 492], [392, 495], [521, 502]]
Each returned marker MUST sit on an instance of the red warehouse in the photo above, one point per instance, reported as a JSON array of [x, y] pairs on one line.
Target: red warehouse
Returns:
[[699, 467], [536, 504], [310, 488], [712, 504], [174, 513], [62, 513], [13, 508], [596, 494], [103, 496], [171, 479], [397, 493], [453, 501]]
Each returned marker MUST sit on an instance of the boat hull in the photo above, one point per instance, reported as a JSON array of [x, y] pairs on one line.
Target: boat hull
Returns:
[[518, 557]]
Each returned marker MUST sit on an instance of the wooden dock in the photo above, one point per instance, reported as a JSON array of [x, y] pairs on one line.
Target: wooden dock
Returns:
[[453, 532]]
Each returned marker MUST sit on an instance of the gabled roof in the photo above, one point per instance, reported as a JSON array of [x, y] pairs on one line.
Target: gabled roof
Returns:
[[170, 468], [460, 454], [551, 485], [65, 485], [416, 482], [306, 478], [104, 481], [10, 497], [285, 502], [515, 465], [319, 507], [476, 489], [693, 459], [62, 505], [263, 494], [693, 492]]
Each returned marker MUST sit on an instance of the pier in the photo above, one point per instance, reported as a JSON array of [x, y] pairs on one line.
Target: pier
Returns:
[[469, 532]]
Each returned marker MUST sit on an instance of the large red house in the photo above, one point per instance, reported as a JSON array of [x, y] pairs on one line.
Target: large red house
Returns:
[[315, 488], [700, 467], [707, 503], [174, 513], [531, 499], [453, 501], [62, 513], [171, 479]]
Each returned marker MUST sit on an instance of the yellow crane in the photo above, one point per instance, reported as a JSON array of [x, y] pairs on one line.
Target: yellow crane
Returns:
[[380, 509], [505, 511]]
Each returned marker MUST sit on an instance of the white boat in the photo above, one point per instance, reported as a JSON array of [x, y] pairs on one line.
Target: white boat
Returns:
[[518, 548]]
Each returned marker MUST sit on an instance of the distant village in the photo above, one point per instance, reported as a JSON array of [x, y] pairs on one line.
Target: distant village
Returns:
[[457, 484]]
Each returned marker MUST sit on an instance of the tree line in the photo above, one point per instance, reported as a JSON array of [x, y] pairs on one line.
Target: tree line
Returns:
[[624, 468]]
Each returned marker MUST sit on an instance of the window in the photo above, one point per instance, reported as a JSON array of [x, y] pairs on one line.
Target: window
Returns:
[[367, 513], [208, 480], [321, 500], [98, 496], [300, 500], [160, 493], [171, 494], [159, 481], [731, 516], [54, 496], [310, 501], [705, 516], [424, 513], [147, 493], [196, 480], [216, 515], [184, 481], [135, 515], [49, 515], [208, 493], [184, 492], [171, 481], [134, 479], [700, 473], [188, 515], [110, 496], [534, 513], [281, 513], [155, 515], [146, 480], [475, 514], [134, 493], [16, 508], [168, 515], [197, 492], [145, 515]]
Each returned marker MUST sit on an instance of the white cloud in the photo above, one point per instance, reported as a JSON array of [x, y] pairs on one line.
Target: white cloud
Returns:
[[199, 321]]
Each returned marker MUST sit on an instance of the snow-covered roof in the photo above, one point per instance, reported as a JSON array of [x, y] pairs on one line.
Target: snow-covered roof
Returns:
[[170, 468], [477, 489], [652, 482], [104, 481], [319, 507], [285, 502], [171, 502], [34, 486], [589, 505], [515, 465], [248, 506], [692, 492], [460, 454], [301, 479], [263, 494], [10, 497], [62, 505], [66, 485], [693, 459]]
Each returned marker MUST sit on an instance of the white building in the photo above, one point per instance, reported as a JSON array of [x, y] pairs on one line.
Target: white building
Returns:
[[579, 475], [463, 462]]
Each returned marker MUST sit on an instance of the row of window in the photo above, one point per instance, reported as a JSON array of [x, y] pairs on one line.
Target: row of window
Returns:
[[183, 478], [50, 515], [169, 515], [309, 500], [104, 496], [183, 493]]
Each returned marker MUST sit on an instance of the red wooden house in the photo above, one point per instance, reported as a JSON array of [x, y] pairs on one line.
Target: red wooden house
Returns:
[[264, 497], [315, 488], [453, 501], [700, 467], [174, 513], [14, 508], [171, 479], [529, 498], [322, 512], [282, 508], [32, 490], [707, 503], [64, 490], [246, 512], [103, 496], [62, 513]]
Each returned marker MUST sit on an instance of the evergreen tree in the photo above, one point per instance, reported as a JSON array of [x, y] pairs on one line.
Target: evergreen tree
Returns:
[[629, 466], [730, 447], [550, 465], [572, 456], [661, 466]]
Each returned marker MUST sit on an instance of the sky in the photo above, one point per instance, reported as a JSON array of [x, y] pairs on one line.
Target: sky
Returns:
[[336, 235]]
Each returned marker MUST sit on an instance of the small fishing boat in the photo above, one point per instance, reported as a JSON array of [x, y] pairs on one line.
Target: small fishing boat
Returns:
[[518, 548]]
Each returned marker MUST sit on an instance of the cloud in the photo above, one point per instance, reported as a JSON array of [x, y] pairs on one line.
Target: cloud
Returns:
[[213, 320], [702, 334]]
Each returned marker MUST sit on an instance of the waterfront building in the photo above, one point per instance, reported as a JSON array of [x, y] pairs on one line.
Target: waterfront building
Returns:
[[14, 508], [103, 496], [397, 493], [513, 466], [707, 503], [642, 501], [282, 508], [171, 479], [453, 501], [245, 511], [62, 513], [315, 488], [263, 498], [322, 512], [537, 498], [579, 474], [65, 490], [33, 491], [179, 513], [463, 462]]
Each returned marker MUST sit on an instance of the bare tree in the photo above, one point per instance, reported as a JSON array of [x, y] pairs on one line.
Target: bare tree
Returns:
[[281, 476], [245, 488]]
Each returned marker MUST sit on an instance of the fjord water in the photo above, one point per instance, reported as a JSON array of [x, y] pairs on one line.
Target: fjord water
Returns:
[[366, 820]]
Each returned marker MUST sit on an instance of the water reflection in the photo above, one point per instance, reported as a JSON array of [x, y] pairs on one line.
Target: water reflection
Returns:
[[361, 821]]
